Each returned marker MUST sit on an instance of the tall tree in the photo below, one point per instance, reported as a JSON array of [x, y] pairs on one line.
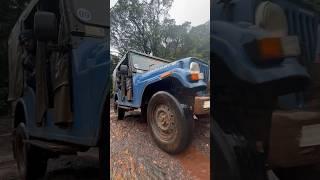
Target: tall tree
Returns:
[[145, 26], [137, 24]]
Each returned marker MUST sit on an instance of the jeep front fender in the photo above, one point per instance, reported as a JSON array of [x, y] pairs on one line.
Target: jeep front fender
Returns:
[[228, 40], [180, 75]]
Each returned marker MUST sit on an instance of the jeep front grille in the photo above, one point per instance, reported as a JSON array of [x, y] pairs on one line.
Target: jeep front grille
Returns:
[[205, 71], [304, 25]]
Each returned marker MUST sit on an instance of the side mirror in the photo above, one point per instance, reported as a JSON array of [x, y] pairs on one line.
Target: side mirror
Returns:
[[45, 26], [123, 69]]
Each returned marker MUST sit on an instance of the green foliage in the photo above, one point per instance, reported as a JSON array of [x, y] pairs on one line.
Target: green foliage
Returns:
[[136, 24], [145, 26]]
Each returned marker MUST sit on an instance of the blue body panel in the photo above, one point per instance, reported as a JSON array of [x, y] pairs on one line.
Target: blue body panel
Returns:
[[89, 89], [233, 26], [229, 40], [180, 71]]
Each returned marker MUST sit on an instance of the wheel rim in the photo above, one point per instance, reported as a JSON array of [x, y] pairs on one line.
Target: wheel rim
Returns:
[[164, 123], [20, 154]]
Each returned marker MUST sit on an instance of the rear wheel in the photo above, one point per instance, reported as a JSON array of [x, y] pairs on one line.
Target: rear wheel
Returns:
[[170, 124], [31, 160]]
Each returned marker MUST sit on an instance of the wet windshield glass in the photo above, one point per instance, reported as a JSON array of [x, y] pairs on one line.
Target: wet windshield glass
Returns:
[[145, 63], [92, 12]]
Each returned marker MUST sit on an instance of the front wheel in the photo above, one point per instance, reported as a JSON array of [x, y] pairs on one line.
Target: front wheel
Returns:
[[31, 160], [171, 125], [224, 158]]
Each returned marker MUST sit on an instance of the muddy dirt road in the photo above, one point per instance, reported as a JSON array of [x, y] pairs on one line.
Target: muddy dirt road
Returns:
[[134, 155], [85, 166]]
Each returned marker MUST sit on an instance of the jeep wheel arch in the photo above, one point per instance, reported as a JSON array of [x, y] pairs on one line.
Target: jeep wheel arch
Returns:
[[163, 85]]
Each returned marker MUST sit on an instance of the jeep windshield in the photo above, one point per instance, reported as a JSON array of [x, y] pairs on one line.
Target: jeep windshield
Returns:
[[145, 63], [91, 12]]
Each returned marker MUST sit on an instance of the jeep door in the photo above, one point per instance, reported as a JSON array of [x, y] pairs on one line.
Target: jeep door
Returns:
[[78, 72]]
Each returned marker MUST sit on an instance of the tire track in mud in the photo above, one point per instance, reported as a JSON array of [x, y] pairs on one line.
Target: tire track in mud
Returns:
[[195, 162], [134, 154]]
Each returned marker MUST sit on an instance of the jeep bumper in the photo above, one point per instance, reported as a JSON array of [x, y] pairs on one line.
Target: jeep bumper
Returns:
[[201, 105]]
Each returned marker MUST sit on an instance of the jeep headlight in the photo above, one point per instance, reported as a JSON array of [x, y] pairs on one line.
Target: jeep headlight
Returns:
[[195, 74], [195, 67]]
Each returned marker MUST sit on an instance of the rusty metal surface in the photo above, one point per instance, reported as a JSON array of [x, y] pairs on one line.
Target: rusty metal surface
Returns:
[[198, 105], [285, 150]]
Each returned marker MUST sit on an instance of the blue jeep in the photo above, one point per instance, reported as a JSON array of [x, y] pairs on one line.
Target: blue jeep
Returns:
[[169, 94], [58, 82], [263, 53]]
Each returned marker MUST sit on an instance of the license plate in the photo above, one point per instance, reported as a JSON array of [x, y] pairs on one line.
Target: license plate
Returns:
[[206, 105], [310, 135]]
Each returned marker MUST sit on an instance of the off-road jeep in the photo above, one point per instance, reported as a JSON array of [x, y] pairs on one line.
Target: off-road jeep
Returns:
[[170, 95]]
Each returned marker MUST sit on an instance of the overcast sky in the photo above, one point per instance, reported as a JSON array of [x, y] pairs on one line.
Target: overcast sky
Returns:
[[195, 11]]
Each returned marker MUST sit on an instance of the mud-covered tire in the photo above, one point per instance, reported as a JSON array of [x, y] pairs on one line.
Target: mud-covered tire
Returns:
[[234, 157], [31, 160], [224, 158], [172, 134]]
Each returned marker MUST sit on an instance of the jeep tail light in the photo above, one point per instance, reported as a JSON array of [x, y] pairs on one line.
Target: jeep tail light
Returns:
[[273, 48]]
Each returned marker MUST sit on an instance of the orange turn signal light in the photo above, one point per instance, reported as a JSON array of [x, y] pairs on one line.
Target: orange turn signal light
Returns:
[[195, 76], [270, 48], [273, 49]]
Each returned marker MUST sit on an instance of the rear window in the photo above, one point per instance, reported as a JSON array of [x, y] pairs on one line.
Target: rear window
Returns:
[[92, 12]]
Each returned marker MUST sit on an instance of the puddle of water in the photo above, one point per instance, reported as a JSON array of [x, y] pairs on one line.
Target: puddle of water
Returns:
[[195, 162]]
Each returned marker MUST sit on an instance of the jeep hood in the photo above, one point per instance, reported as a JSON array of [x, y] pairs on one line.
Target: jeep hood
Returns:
[[181, 63]]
